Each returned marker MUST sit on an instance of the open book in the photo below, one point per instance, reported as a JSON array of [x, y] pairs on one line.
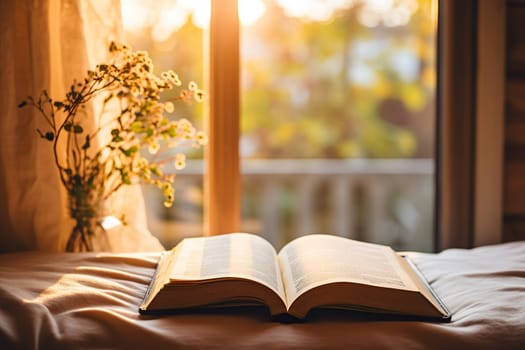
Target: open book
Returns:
[[310, 272]]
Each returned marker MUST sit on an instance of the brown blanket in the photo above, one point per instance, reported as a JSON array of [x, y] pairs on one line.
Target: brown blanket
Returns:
[[78, 301]]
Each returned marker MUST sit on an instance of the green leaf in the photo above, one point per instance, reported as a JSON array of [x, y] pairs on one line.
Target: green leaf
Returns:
[[124, 177], [87, 143], [48, 135], [58, 104], [68, 126], [136, 127], [128, 152], [154, 170], [115, 132], [77, 129], [90, 183], [172, 131]]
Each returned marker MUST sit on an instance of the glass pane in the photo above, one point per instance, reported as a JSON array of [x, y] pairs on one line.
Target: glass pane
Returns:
[[338, 116], [172, 33]]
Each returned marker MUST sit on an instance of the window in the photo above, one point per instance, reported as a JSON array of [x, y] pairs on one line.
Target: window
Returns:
[[336, 109]]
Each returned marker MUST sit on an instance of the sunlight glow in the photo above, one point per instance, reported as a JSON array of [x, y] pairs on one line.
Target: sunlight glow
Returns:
[[314, 10], [391, 13], [168, 22], [250, 11], [167, 16], [133, 17], [370, 13]]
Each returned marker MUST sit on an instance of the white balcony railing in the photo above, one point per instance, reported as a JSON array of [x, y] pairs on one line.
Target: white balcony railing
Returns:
[[387, 201]]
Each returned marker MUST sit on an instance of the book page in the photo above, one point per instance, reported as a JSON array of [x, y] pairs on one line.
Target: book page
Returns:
[[237, 255], [314, 260]]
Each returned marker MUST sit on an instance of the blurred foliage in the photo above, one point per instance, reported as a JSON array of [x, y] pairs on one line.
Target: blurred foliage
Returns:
[[313, 89], [338, 89]]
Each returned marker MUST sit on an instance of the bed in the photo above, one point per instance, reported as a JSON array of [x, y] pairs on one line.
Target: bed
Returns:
[[90, 301]]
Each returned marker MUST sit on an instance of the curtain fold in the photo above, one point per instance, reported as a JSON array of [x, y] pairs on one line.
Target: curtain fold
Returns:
[[46, 44]]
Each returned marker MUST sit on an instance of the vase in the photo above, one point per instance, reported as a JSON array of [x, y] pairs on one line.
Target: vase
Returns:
[[88, 233]]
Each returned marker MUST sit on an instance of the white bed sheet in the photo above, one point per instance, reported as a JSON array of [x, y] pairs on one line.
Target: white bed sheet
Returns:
[[81, 301]]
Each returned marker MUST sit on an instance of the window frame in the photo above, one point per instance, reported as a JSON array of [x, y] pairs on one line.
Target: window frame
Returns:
[[470, 115], [469, 176], [222, 186]]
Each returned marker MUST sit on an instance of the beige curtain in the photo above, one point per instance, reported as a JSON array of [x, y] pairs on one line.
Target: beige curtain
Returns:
[[45, 45]]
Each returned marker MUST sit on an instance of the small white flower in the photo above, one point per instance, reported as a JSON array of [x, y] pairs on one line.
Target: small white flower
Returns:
[[192, 86], [180, 161], [153, 148], [199, 95], [201, 137], [168, 107]]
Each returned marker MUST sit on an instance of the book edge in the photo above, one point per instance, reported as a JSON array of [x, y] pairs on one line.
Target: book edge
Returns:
[[143, 308], [447, 317]]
